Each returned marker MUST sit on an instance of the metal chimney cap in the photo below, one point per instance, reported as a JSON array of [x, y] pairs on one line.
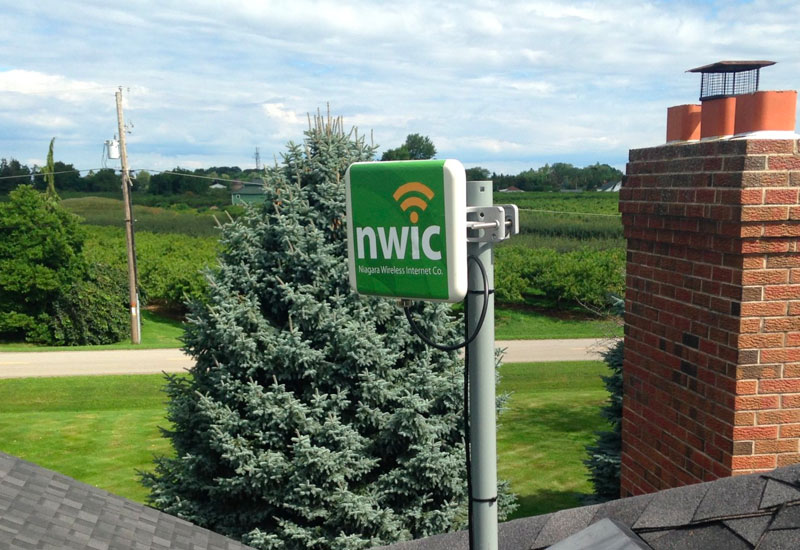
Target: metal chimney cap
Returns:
[[731, 66]]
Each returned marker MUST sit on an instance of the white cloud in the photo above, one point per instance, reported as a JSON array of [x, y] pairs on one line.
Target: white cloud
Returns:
[[510, 82], [25, 82]]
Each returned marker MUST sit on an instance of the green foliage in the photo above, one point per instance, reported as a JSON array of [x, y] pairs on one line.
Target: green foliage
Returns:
[[313, 417], [580, 277], [605, 453], [12, 173], [46, 286], [104, 180], [170, 265], [478, 173], [585, 203], [416, 147], [92, 310], [560, 175], [574, 226]]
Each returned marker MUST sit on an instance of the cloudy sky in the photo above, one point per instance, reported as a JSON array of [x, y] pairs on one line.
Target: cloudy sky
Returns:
[[505, 85]]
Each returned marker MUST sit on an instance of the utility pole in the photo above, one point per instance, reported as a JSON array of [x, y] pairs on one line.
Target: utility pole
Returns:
[[136, 337], [257, 156]]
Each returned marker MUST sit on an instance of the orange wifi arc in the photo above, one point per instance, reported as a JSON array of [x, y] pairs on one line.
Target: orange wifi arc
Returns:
[[413, 201]]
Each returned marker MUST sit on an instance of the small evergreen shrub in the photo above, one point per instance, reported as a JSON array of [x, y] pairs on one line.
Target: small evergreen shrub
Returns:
[[605, 453]]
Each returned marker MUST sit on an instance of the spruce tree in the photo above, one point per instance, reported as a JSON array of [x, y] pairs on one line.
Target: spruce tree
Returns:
[[313, 418]]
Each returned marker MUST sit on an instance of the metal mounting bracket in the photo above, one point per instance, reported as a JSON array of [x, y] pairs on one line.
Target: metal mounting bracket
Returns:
[[491, 224]]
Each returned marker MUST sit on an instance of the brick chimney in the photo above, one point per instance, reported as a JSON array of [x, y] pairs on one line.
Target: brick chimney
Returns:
[[712, 322]]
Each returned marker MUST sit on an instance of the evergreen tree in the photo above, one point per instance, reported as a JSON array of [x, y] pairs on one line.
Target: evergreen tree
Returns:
[[605, 454], [313, 418]]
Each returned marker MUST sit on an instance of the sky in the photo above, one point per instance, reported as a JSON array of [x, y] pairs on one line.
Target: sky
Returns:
[[503, 85]]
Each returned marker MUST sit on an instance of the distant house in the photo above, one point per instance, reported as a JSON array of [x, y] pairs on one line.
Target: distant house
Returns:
[[511, 189], [217, 186], [247, 192], [611, 187]]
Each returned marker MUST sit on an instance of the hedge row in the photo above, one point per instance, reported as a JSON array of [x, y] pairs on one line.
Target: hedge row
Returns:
[[579, 277]]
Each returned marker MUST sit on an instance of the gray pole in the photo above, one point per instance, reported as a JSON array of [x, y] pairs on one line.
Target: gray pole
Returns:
[[482, 406], [126, 183]]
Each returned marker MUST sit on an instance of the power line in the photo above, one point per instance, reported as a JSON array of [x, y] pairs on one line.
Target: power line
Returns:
[[37, 174]]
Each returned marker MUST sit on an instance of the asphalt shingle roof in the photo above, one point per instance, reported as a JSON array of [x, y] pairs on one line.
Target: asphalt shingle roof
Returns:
[[45, 510], [753, 512]]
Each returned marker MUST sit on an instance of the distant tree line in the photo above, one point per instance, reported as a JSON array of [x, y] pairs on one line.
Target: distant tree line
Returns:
[[558, 176], [171, 182], [550, 177]]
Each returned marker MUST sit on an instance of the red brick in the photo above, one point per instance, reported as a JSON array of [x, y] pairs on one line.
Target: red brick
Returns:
[[782, 292], [770, 146], [788, 459], [758, 371], [792, 370], [778, 417], [782, 324], [793, 339], [765, 179], [750, 325], [765, 276], [756, 262], [755, 432], [784, 162], [768, 246], [746, 387], [751, 196], [781, 196], [780, 385], [760, 341], [765, 213], [779, 355], [776, 446], [790, 430], [744, 418], [753, 462], [756, 403], [763, 309], [779, 230]]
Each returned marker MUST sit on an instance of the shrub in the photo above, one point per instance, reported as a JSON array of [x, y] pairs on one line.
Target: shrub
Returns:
[[93, 310], [579, 277], [605, 454], [46, 285]]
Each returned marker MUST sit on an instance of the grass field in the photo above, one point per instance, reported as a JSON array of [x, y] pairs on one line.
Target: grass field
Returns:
[[520, 324], [98, 429], [553, 413], [157, 332], [102, 429], [107, 211]]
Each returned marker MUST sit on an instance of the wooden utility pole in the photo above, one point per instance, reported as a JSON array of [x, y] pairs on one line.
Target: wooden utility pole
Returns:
[[136, 337]]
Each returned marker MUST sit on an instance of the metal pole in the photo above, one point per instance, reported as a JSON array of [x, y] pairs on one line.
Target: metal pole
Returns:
[[126, 184], [483, 436]]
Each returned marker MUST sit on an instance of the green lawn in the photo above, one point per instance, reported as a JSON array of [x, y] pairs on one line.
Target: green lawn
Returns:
[[102, 429], [510, 324], [98, 429], [516, 324], [553, 413], [157, 332]]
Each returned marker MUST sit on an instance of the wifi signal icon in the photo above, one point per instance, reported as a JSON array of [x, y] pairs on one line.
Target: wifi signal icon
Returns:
[[413, 201]]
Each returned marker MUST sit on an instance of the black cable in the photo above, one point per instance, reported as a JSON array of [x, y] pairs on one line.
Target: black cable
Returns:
[[467, 449], [468, 339]]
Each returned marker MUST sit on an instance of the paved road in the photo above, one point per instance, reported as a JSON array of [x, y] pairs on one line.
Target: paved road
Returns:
[[72, 363]]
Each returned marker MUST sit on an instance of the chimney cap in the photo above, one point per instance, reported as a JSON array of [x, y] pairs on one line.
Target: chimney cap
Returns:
[[731, 66]]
